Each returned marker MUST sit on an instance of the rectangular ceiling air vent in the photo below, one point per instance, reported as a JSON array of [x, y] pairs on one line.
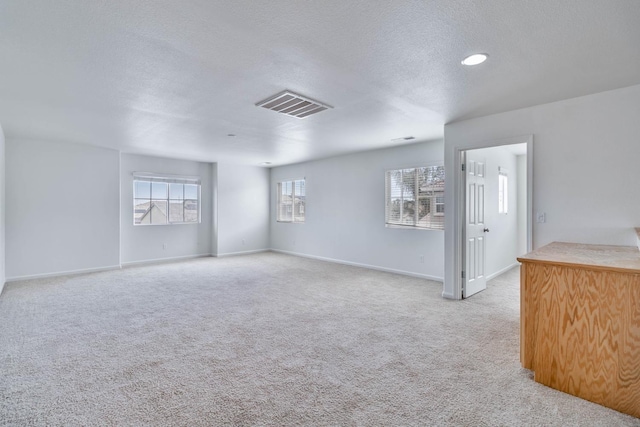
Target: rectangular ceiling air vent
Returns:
[[293, 105]]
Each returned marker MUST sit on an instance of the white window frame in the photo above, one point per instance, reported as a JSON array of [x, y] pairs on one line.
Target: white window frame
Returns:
[[291, 216], [435, 201], [167, 179], [503, 191]]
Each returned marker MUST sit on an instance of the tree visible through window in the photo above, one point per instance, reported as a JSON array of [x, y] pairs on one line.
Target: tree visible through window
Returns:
[[291, 201], [160, 200], [415, 197]]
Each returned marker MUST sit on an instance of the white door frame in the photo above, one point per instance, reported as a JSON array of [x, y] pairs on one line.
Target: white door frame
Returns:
[[459, 201]]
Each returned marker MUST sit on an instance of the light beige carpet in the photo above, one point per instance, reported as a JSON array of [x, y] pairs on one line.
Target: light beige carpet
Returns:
[[269, 339]]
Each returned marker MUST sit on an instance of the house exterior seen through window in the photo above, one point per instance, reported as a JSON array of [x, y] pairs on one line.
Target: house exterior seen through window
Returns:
[[415, 197], [165, 200], [291, 201]]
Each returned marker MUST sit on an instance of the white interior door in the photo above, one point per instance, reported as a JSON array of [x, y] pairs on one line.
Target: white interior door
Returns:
[[475, 228]]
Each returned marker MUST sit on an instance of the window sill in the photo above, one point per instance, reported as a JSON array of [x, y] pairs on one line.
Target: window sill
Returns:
[[411, 227], [170, 223]]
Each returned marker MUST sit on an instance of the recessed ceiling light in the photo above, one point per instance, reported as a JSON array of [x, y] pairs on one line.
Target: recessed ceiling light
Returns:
[[231, 134], [265, 163], [475, 59]]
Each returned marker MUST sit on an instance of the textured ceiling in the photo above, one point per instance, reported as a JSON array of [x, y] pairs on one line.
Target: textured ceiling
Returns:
[[174, 78]]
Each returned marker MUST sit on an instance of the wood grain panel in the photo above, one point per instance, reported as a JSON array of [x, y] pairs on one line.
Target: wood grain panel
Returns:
[[581, 332], [528, 312]]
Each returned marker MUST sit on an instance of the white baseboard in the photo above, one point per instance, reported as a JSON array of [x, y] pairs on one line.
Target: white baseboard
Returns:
[[62, 273], [162, 260], [357, 264], [2, 287], [254, 251], [447, 295], [182, 258], [504, 270]]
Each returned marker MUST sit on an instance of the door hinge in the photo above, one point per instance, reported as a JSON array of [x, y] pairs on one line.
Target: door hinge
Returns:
[[463, 274], [463, 167]]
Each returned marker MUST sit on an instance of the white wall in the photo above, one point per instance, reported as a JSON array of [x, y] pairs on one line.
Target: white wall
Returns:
[[502, 239], [2, 210], [158, 242], [345, 213], [242, 209], [62, 208], [585, 172]]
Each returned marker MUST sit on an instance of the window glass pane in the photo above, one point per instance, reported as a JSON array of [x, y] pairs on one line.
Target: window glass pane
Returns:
[[395, 196], [424, 211], [299, 188], [176, 211], [158, 202], [176, 191], [158, 190], [408, 196], [415, 197], [141, 189], [140, 211], [279, 202], [286, 201], [158, 211], [299, 201], [190, 191], [505, 195], [291, 201], [500, 194], [432, 188], [190, 211], [298, 209], [425, 191]]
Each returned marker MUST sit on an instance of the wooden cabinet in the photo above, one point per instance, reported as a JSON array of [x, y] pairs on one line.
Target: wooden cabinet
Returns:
[[580, 321]]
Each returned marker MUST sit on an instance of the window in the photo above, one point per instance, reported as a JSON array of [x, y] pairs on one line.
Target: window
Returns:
[[503, 191], [291, 201], [165, 200], [415, 197]]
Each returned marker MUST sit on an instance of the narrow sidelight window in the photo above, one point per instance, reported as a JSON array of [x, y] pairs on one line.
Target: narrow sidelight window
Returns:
[[503, 191]]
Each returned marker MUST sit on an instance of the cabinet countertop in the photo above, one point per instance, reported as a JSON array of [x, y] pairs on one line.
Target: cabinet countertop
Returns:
[[600, 257]]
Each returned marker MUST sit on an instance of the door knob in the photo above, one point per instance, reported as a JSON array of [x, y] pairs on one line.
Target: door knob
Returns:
[[486, 230]]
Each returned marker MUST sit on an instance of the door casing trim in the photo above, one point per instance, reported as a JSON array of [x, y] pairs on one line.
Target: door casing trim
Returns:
[[459, 204]]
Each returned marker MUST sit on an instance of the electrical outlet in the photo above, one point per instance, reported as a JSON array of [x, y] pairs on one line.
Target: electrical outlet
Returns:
[[421, 259], [541, 217], [243, 241], [164, 246]]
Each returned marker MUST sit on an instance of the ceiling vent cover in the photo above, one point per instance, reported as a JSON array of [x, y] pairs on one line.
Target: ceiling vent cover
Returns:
[[293, 105]]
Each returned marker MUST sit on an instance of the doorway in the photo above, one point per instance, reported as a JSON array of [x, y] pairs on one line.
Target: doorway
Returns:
[[495, 194]]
